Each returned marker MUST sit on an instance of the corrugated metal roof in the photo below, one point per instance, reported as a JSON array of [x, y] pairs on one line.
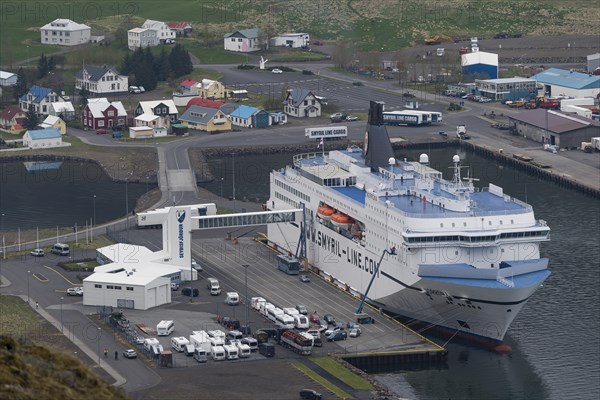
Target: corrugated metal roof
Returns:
[[553, 121], [568, 79], [48, 133], [479, 57], [244, 112], [247, 33]]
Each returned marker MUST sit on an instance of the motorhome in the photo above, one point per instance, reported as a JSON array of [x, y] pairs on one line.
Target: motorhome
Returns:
[[244, 350], [251, 343], [265, 307], [234, 335], [273, 313], [285, 321], [255, 302], [165, 328], [301, 321], [233, 298], [200, 355], [179, 343], [200, 339], [217, 333], [189, 349], [291, 311], [150, 342], [217, 353], [231, 352], [216, 341]]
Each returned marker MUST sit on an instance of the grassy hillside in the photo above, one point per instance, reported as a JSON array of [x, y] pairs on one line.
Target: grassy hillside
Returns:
[[371, 25]]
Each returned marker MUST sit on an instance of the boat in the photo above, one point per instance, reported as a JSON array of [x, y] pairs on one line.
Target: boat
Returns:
[[325, 212], [439, 253]]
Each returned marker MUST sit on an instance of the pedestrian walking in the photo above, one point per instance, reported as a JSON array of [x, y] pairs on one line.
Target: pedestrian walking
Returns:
[[36, 305], [116, 355], [105, 352]]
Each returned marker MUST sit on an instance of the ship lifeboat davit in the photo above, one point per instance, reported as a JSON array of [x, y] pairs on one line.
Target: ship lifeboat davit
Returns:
[[341, 220], [325, 211]]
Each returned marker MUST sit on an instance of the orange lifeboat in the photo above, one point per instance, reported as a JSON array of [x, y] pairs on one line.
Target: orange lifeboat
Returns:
[[341, 220], [325, 211]]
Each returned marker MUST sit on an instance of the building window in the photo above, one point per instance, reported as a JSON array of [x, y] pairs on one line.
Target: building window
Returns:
[[97, 286], [130, 288], [100, 122]]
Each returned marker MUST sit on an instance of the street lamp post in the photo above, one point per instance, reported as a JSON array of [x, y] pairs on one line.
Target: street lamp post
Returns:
[[99, 332], [233, 164], [62, 329], [222, 187], [94, 210], [246, 288], [28, 273]]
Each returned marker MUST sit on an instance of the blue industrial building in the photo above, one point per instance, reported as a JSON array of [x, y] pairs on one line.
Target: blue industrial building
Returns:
[[480, 64], [504, 89], [561, 82]]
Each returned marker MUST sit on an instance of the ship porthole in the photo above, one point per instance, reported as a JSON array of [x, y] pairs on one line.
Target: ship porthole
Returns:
[[509, 310]]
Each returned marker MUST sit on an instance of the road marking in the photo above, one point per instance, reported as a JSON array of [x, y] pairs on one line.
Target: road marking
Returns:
[[42, 279], [62, 276]]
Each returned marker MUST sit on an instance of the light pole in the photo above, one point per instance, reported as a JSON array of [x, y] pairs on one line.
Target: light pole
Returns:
[[233, 163], [222, 187], [99, 332], [94, 210], [62, 329], [28, 273], [246, 287]]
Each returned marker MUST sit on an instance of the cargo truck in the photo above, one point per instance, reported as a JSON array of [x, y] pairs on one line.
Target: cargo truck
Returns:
[[461, 132], [296, 342], [327, 133]]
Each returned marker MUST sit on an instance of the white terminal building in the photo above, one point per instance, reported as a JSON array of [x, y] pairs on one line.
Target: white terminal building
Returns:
[[135, 277]]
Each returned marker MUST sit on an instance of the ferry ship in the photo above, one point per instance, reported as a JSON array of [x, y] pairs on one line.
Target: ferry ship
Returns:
[[446, 255]]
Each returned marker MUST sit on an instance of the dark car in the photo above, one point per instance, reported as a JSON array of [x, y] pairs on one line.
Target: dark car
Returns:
[[188, 291], [358, 83], [339, 335], [117, 135], [329, 318], [310, 394]]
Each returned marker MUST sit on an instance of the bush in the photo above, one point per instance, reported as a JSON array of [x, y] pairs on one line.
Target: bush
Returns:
[[307, 72], [246, 66], [408, 95]]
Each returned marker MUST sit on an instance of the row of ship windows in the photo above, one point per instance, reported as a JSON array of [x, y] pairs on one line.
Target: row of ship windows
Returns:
[[287, 200], [295, 192], [473, 239], [98, 286]]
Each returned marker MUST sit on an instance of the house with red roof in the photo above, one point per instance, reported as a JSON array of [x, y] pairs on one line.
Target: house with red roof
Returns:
[[180, 28], [188, 87], [11, 116]]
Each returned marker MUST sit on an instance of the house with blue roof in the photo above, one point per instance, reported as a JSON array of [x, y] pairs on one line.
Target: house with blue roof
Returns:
[[250, 117], [562, 82], [39, 98], [302, 103], [205, 119], [42, 138]]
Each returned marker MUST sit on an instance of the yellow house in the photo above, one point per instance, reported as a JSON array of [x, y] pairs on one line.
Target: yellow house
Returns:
[[209, 89], [205, 119], [52, 121]]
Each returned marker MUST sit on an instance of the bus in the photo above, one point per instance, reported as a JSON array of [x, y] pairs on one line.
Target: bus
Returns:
[[288, 264], [165, 328], [432, 116], [406, 117]]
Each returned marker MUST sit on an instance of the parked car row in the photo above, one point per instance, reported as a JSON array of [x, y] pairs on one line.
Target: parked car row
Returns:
[[340, 117]]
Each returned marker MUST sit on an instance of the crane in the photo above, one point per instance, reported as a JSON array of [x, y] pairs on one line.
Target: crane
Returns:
[[362, 318], [436, 39]]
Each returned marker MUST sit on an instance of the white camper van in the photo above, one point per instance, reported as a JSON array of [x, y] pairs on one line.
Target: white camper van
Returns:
[[231, 352], [179, 343], [301, 322], [217, 353], [233, 299], [214, 286], [165, 328]]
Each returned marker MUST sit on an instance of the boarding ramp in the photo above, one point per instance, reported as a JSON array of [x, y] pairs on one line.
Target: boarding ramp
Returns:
[[247, 219]]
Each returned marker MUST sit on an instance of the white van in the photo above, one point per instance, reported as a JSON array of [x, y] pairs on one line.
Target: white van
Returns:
[[61, 249], [231, 352], [217, 353], [179, 343], [255, 302], [200, 355], [234, 335], [165, 328], [250, 342], [214, 286], [244, 350], [233, 299]]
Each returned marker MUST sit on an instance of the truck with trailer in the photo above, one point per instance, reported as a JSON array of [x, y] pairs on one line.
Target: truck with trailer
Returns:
[[327, 133], [405, 117], [316, 340], [296, 342]]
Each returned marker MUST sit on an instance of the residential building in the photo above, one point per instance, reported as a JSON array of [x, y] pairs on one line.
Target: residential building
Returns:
[[560, 82], [140, 37], [205, 119], [8, 78], [245, 40], [302, 103], [62, 109], [39, 98], [42, 138], [54, 122], [278, 118], [163, 108], [65, 32], [103, 115], [480, 64], [507, 88], [554, 128], [188, 86], [180, 28], [249, 117], [11, 116], [292, 40], [163, 32], [209, 89], [151, 120], [100, 81], [228, 108]]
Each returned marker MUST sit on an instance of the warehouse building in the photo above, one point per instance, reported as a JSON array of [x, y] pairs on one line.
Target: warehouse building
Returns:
[[480, 65], [507, 88], [554, 128], [593, 62], [560, 82]]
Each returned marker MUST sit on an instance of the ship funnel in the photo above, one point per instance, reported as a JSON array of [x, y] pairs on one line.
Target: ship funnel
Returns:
[[377, 148]]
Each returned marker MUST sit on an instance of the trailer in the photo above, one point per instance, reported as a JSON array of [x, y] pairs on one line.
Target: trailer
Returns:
[[596, 143], [406, 117], [296, 342], [327, 133]]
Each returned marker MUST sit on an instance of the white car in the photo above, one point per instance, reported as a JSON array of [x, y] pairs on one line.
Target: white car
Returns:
[[276, 71], [75, 291], [331, 331], [130, 353], [355, 332], [196, 266], [37, 252]]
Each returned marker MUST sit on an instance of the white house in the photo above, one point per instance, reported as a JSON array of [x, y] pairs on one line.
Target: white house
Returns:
[[8, 78], [39, 98], [140, 37], [293, 40], [101, 80], [162, 30], [65, 32], [245, 40], [42, 138], [62, 109], [302, 103]]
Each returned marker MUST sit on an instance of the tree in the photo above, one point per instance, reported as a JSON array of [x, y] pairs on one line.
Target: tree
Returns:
[[162, 66], [342, 54], [126, 64], [144, 76], [84, 94], [181, 63], [51, 63], [43, 66], [31, 118], [21, 86]]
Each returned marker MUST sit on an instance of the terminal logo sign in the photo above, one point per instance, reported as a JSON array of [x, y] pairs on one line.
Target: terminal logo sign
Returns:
[[180, 218]]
